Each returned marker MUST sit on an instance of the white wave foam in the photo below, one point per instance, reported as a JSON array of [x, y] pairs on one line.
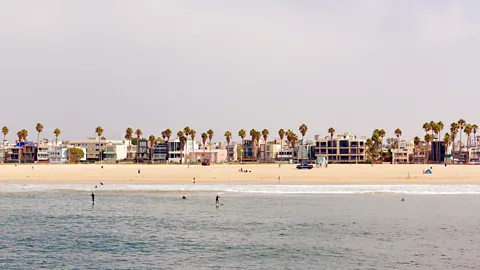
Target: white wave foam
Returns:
[[265, 189]]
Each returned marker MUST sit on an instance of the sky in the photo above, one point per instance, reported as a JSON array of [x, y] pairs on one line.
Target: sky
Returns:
[[226, 65]]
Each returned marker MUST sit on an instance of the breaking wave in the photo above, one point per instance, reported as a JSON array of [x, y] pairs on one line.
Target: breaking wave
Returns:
[[262, 189]]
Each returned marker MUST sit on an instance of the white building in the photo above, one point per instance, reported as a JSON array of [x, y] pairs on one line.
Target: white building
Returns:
[[43, 153], [404, 152], [58, 155]]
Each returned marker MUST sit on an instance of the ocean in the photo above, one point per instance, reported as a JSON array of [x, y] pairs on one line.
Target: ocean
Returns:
[[257, 227]]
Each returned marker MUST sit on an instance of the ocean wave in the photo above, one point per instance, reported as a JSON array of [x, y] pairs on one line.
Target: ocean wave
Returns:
[[260, 189]]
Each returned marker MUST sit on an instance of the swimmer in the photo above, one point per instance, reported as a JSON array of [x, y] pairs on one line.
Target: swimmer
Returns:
[[184, 197], [402, 200], [93, 198]]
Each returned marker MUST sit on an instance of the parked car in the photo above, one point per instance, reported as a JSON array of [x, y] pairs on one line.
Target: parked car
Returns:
[[304, 166], [206, 162]]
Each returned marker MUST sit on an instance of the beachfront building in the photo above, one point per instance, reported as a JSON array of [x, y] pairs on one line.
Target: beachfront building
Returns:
[[420, 153], [249, 151], [160, 152], [269, 152], [43, 153], [24, 152], [306, 151], [95, 148], [58, 155], [232, 154], [214, 155], [175, 153], [403, 154], [143, 151], [285, 155], [115, 151], [344, 148], [131, 152]]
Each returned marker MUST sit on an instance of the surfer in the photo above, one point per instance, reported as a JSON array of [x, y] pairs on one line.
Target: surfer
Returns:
[[217, 201], [93, 198]]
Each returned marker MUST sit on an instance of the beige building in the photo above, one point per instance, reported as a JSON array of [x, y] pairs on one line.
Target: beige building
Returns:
[[269, 152], [344, 148], [94, 147], [404, 153]]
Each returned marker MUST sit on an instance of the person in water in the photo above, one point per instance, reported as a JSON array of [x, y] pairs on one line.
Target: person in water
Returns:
[[184, 197], [403, 200], [93, 197], [217, 201]]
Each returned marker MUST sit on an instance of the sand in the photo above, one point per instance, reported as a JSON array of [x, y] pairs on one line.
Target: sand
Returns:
[[260, 174]]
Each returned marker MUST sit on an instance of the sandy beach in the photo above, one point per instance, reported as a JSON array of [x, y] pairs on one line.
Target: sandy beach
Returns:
[[225, 174]]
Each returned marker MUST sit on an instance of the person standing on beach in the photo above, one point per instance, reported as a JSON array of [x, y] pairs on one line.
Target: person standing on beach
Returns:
[[193, 180], [138, 171], [93, 198]]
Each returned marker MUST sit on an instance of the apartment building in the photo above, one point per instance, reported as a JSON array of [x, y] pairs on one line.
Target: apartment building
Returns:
[[344, 148], [115, 151], [269, 152], [213, 155], [160, 152], [249, 150], [43, 153]]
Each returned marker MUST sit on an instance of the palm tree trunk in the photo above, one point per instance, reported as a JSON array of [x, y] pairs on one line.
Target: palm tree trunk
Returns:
[[3, 148]]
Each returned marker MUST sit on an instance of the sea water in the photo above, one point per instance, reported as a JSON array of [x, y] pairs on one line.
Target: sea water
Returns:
[[258, 227]]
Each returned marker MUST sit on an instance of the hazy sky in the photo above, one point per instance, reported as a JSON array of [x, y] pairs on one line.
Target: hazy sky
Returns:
[[353, 65]]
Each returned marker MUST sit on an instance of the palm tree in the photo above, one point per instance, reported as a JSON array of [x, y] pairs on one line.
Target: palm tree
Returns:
[[293, 140], [265, 134], [186, 131], [24, 134], [303, 130], [99, 131], [5, 133], [468, 132], [462, 123], [427, 127], [436, 131], [331, 131], [381, 134], [57, 133], [228, 137], [39, 129], [168, 134], [181, 136], [428, 138], [454, 127], [20, 138], [242, 134], [193, 133], [139, 134], [258, 135], [253, 134], [183, 140], [210, 137], [204, 141], [398, 133], [281, 133], [152, 141], [446, 142], [416, 143], [128, 133], [474, 129]]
